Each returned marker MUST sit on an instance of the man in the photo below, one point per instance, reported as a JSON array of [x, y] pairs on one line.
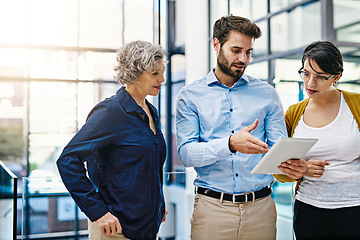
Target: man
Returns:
[[225, 122]]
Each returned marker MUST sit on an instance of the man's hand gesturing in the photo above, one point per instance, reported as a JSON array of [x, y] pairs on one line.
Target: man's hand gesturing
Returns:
[[244, 142]]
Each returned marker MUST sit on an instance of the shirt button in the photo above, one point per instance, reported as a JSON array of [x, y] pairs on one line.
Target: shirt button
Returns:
[[229, 90], [231, 110], [232, 131], [236, 174]]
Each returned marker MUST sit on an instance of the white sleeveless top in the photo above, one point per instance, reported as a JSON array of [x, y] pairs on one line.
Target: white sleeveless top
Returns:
[[339, 144]]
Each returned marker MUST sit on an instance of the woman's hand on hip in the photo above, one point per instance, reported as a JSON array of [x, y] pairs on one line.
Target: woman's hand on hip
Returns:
[[109, 224]]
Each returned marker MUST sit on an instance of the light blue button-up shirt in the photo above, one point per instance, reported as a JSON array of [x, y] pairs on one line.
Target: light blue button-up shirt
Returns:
[[208, 113]]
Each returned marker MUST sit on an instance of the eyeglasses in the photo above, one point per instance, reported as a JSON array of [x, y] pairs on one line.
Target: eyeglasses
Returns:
[[318, 78]]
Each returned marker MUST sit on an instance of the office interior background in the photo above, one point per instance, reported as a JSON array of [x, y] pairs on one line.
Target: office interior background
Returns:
[[56, 60]]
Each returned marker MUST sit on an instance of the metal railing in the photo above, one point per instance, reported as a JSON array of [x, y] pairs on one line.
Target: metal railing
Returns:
[[47, 211], [8, 203]]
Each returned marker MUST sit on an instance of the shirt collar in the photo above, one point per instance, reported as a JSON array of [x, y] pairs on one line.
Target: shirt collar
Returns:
[[212, 79], [131, 106], [129, 103]]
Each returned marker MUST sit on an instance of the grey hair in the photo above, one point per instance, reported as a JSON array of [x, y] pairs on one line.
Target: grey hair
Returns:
[[134, 58]]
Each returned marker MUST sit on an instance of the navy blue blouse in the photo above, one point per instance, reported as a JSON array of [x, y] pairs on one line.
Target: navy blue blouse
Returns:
[[124, 160]]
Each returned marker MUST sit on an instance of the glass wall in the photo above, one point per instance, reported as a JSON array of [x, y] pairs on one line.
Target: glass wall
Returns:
[[347, 20], [290, 25], [56, 63], [290, 29], [56, 60]]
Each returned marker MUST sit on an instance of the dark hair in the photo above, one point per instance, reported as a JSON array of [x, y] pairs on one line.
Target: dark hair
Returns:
[[326, 55], [224, 25]]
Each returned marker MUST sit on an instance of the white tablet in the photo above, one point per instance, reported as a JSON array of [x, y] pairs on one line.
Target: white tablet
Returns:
[[282, 150]]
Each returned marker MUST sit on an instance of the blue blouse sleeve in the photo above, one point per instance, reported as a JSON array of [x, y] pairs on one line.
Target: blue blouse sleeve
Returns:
[[84, 147]]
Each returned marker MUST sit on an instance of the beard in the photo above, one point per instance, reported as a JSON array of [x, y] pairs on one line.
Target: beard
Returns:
[[225, 66]]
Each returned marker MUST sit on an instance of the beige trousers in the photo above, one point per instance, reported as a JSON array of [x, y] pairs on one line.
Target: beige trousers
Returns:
[[215, 220]]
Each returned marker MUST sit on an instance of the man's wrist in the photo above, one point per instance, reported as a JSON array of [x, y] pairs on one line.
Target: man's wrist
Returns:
[[229, 144]]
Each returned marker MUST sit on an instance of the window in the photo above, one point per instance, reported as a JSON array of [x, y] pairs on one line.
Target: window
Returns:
[[56, 63], [347, 20], [295, 29]]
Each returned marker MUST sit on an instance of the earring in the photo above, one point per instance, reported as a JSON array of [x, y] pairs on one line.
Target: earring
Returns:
[[334, 84]]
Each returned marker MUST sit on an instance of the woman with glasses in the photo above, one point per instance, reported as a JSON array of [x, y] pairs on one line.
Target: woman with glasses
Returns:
[[327, 200]]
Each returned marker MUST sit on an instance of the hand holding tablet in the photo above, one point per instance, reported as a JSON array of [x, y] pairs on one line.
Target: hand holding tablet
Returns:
[[282, 150]]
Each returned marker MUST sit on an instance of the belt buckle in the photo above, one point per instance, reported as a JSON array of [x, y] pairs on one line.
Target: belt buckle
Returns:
[[235, 195], [246, 197]]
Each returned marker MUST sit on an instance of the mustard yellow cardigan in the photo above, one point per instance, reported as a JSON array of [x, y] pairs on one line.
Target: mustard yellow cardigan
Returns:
[[294, 113]]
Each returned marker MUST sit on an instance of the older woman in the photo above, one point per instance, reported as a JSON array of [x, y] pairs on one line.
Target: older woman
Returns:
[[123, 149], [327, 204]]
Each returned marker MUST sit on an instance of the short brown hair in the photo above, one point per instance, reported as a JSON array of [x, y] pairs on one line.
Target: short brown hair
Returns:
[[224, 25]]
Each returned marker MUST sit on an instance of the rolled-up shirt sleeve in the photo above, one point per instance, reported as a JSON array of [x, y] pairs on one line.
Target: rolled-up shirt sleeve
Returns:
[[192, 151]]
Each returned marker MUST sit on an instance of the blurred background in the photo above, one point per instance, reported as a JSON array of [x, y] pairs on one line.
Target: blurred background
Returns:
[[56, 60]]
